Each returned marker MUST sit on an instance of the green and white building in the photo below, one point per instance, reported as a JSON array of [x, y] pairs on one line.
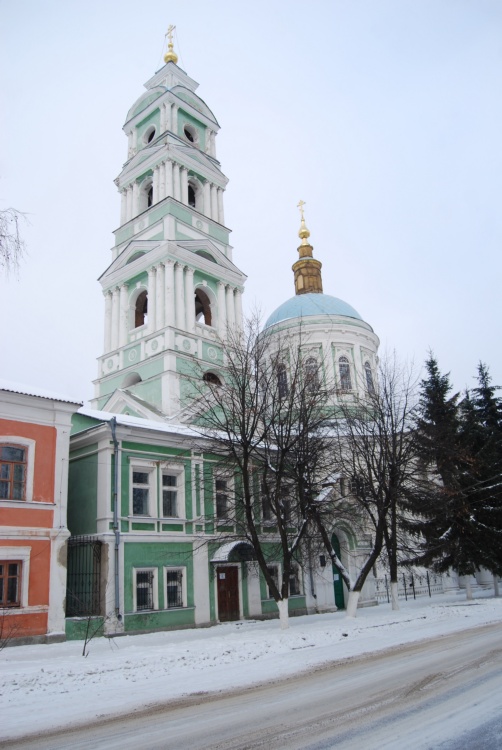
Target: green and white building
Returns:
[[148, 504]]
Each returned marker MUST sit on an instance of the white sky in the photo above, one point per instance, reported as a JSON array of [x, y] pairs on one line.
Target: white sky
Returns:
[[44, 687], [383, 115]]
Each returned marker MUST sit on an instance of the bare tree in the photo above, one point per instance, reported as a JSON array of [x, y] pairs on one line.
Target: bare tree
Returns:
[[265, 423], [12, 245], [374, 451]]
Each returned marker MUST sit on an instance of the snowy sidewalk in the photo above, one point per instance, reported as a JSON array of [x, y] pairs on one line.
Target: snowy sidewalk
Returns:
[[45, 687]]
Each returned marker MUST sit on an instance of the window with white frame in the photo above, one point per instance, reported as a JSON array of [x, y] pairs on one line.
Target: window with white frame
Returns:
[[10, 583], [370, 385], [282, 380], [266, 504], [13, 459], [141, 491], [145, 589], [222, 494], [170, 495], [311, 375], [344, 371], [295, 588], [175, 587], [17, 461]]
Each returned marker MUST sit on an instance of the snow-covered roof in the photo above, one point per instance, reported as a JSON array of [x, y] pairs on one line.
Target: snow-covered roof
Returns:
[[222, 554], [28, 390], [147, 424]]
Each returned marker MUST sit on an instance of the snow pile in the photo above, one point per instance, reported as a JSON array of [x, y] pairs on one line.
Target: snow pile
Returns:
[[44, 687]]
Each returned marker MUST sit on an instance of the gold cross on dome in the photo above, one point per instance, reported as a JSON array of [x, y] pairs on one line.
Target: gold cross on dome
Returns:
[[300, 206], [170, 33]]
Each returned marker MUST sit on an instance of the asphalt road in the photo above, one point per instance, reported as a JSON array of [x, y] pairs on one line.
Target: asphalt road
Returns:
[[443, 694]]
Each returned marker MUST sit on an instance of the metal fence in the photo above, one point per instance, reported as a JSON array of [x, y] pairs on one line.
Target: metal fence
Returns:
[[83, 588], [410, 585]]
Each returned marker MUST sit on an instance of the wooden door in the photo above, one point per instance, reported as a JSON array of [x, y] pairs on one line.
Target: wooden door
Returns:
[[228, 593]]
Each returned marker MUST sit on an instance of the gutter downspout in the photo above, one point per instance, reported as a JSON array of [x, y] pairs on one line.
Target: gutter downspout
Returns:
[[116, 530]]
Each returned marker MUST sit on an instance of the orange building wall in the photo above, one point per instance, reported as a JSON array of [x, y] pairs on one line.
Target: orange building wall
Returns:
[[45, 454]]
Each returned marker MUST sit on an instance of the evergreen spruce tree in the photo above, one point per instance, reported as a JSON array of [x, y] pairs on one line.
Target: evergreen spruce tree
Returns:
[[449, 531], [482, 436]]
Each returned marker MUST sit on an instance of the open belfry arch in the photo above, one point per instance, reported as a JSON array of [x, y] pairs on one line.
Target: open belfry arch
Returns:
[[172, 291]]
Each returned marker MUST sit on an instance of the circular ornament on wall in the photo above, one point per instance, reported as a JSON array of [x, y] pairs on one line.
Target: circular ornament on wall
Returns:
[[211, 352], [132, 355], [187, 345], [154, 345], [198, 224]]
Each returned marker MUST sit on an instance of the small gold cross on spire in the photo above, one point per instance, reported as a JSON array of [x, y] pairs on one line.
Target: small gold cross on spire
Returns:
[[170, 55], [300, 206]]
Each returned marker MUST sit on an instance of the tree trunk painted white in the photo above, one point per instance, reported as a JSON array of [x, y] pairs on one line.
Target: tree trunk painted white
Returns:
[[283, 614], [496, 591], [352, 603], [468, 588], [393, 595]]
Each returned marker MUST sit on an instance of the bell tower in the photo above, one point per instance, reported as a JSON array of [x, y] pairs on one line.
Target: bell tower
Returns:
[[172, 291]]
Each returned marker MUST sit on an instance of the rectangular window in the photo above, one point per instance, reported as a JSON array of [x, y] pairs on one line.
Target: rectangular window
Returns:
[[140, 493], [266, 504], [221, 487], [12, 472], [169, 495], [145, 590], [10, 583], [174, 588], [294, 581], [274, 572]]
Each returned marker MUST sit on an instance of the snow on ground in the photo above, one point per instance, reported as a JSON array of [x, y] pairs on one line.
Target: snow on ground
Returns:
[[44, 687]]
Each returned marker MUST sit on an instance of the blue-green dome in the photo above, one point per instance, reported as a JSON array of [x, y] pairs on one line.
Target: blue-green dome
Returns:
[[306, 305]]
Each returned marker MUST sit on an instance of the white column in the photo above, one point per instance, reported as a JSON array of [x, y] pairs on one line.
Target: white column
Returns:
[[123, 206], [162, 181], [184, 185], [221, 217], [169, 314], [159, 307], [129, 145], [167, 115], [174, 119], [134, 140], [162, 118], [176, 182], [179, 296], [214, 202], [115, 318], [230, 307], [124, 315], [108, 322], [129, 202], [207, 199], [208, 141], [169, 178], [222, 309], [135, 199], [151, 300], [189, 300], [155, 185], [238, 309], [213, 143]]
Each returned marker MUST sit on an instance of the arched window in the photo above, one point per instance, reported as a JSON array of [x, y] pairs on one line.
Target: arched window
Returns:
[[202, 308], [191, 196], [370, 386], [211, 378], [132, 379], [311, 375], [141, 310], [344, 370], [149, 196], [282, 380]]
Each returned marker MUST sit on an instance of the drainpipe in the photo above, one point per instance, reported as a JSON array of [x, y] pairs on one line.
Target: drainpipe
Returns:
[[116, 530]]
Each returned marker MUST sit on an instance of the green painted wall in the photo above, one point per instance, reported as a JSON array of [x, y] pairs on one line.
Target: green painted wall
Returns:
[[82, 493], [77, 627]]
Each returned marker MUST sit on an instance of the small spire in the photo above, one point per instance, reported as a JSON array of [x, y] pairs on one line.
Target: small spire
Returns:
[[307, 270], [170, 55], [303, 233]]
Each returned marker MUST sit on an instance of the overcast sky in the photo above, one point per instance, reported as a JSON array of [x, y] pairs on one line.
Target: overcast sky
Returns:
[[385, 116]]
